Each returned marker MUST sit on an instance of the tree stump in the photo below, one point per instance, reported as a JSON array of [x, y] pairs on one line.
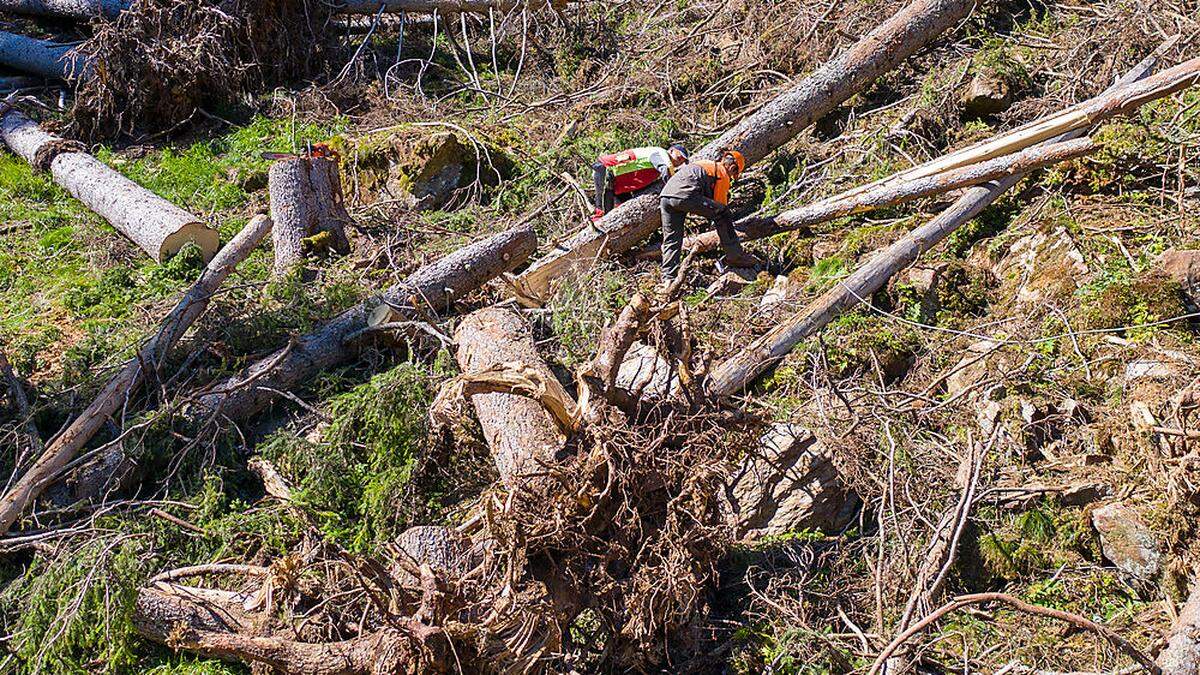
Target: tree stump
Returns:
[[308, 209]]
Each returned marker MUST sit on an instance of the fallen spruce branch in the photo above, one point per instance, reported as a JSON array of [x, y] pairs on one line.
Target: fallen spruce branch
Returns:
[[126, 382], [156, 225], [33, 439], [758, 135], [43, 57], [892, 193], [1020, 605], [737, 371]]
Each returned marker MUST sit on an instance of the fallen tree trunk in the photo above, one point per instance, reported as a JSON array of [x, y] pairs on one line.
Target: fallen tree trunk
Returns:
[[522, 434], [891, 193], [738, 371], [156, 225], [66, 9], [43, 57], [758, 135], [1182, 653], [306, 202], [1117, 100], [120, 388], [430, 289]]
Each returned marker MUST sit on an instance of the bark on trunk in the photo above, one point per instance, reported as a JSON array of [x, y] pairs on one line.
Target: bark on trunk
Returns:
[[42, 57], [891, 193], [306, 201], [431, 289], [156, 225], [758, 135], [66, 9], [523, 436], [1182, 653], [121, 387], [738, 371], [172, 616]]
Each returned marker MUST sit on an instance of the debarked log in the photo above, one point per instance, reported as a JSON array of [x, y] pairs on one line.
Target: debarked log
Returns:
[[893, 193], [156, 225]]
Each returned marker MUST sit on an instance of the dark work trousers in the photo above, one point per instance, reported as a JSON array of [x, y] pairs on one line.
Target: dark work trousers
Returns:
[[674, 217], [607, 199]]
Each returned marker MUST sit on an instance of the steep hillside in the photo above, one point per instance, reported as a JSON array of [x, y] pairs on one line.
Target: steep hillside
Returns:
[[985, 464]]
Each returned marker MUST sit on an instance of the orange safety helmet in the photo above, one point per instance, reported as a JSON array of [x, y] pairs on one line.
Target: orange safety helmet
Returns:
[[738, 158]]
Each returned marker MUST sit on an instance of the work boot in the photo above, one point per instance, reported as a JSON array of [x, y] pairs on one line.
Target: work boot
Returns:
[[739, 258]]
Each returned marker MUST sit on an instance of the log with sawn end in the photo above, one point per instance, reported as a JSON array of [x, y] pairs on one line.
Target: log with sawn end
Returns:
[[129, 378], [306, 203], [777, 122], [156, 225]]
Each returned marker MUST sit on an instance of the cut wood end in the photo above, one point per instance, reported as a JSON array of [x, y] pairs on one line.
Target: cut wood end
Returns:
[[198, 233]]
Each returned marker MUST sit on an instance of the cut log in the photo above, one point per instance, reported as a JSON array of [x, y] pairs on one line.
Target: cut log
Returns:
[[890, 193], [739, 370], [306, 201], [758, 135], [66, 9], [121, 387], [156, 225], [523, 436], [430, 289], [1182, 653], [42, 57]]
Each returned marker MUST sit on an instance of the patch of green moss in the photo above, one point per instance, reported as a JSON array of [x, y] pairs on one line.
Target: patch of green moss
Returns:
[[1118, 299], [856, 341]]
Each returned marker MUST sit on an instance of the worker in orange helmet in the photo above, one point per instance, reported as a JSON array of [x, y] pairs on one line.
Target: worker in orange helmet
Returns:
[[702, 188]]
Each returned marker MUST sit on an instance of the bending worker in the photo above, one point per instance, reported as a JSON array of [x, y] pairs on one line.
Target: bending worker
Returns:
[[702, 188], [632, 173]]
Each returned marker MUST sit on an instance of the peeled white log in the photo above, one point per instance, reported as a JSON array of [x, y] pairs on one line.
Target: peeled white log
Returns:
[[67, 9], [777, 122], [67, 444], [42, 57], [156, 225]]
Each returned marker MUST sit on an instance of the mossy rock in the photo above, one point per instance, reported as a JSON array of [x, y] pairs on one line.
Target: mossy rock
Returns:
[[426, 168]]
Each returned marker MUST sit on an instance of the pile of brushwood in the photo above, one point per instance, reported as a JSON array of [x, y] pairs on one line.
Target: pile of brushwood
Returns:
[[854, 464]]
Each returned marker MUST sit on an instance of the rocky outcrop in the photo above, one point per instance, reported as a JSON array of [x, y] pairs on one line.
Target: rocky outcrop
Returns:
[[788, 483], [1127, 542]]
